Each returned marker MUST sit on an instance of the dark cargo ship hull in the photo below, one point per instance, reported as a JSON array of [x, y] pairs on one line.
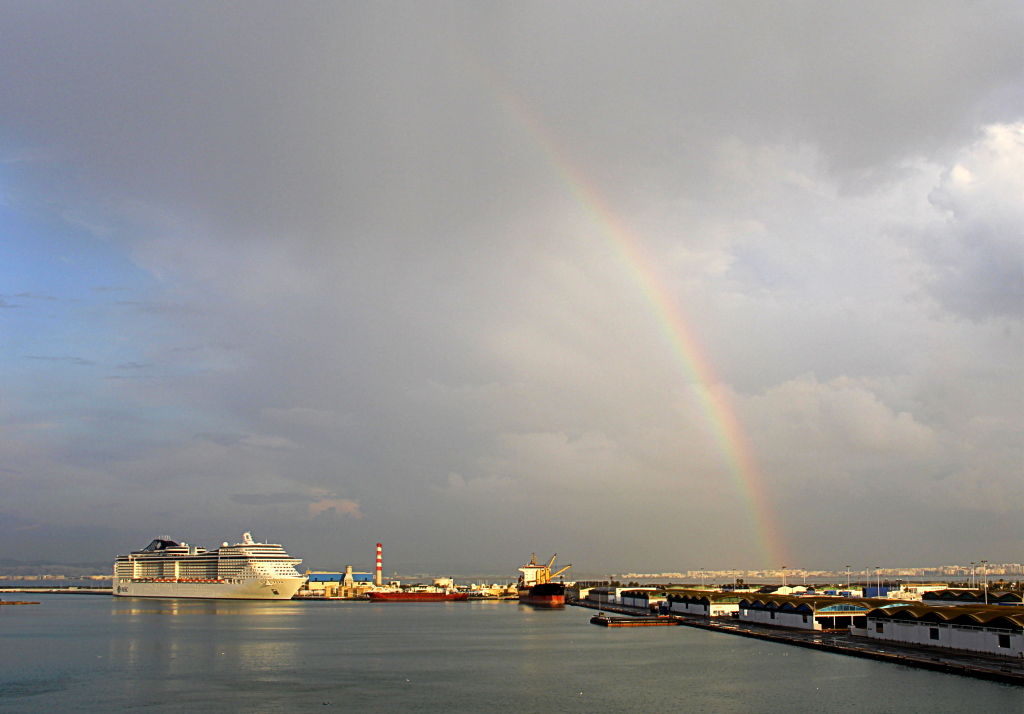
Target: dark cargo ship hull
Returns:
[[546, 595]]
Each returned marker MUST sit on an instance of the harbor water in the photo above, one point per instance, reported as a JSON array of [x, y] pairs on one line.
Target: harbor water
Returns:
[[92, 653]]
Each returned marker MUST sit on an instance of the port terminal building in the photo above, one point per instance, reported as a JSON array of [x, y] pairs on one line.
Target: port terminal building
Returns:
[[337, 585]]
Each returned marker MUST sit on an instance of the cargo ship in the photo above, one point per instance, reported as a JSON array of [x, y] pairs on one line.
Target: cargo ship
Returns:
[[418, 596], [243, 571], [536, 587]]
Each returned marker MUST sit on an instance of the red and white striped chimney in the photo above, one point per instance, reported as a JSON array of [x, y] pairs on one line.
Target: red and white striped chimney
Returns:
[[378, 576]]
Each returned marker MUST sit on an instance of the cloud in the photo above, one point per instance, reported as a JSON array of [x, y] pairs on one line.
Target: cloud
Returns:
[[387, 263], [841, 415], [335, 506], [160, 308], [317, 503], [219, 439], [267, 441], [977, 253], [36, 296], [268, 499], [71, 360], [304, 416]]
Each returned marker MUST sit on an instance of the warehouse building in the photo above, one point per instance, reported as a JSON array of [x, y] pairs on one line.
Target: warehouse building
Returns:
[[704, 603], [819, 612], [993, 629], [642, 597], [609, 595], [959, 596]]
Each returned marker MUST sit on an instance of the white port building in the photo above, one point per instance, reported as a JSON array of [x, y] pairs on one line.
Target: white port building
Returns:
[[993, 629], [704, 603], [641, 597], [814, 612]]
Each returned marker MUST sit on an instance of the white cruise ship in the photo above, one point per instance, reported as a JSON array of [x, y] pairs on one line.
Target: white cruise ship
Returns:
[[244, 571]]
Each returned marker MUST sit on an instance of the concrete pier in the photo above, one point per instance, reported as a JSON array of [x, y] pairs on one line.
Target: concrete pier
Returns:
[[967, 664]]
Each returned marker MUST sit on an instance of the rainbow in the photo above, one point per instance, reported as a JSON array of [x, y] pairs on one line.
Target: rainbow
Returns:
[[713, 396]]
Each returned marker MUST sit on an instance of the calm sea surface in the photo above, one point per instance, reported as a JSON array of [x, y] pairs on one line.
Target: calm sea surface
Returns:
[[87, 652]]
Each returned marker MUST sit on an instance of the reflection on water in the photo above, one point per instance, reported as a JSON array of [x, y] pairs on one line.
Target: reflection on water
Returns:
[[90, 653], [170, 606], [234, 640]]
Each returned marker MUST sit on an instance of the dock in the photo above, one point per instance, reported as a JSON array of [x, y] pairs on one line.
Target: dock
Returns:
[[605, 621], [967, 664], [72, 590]]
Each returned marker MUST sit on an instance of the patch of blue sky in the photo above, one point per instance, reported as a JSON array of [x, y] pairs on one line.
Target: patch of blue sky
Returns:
[[78, 340], [60, 285]]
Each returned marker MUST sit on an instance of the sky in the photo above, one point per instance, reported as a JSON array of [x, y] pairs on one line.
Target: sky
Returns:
[[653, 285]]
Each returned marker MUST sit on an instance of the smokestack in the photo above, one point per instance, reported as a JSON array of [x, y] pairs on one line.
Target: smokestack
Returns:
[[378, 576]]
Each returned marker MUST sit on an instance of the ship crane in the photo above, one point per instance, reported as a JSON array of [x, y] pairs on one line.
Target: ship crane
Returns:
[[551, 576], [536, 574]]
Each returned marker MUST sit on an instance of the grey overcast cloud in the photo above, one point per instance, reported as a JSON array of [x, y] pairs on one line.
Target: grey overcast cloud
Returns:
[[656, 286]]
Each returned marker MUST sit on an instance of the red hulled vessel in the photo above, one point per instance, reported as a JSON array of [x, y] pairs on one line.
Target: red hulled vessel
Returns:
[[418, 596]]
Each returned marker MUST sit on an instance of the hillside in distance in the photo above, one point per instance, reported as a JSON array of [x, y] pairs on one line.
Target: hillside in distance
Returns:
[[12, 567]]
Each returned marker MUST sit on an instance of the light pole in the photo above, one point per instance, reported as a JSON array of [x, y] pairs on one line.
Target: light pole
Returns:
[[972, 574], [783, 575], [984, 574], [702, 578], [847, 578]]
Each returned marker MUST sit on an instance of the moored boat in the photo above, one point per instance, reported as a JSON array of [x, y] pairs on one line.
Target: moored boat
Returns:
[[544, 595], [418, 596], [243, 571], [536, 586]]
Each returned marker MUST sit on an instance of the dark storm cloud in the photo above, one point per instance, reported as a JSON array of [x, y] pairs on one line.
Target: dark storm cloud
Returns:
[[286, 120], [355, 221]]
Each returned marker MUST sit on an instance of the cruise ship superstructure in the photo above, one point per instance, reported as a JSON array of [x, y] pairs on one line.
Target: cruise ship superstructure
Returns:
[[244, 571]]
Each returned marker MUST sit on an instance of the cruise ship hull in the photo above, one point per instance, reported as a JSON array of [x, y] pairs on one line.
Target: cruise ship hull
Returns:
[[255, 589]]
